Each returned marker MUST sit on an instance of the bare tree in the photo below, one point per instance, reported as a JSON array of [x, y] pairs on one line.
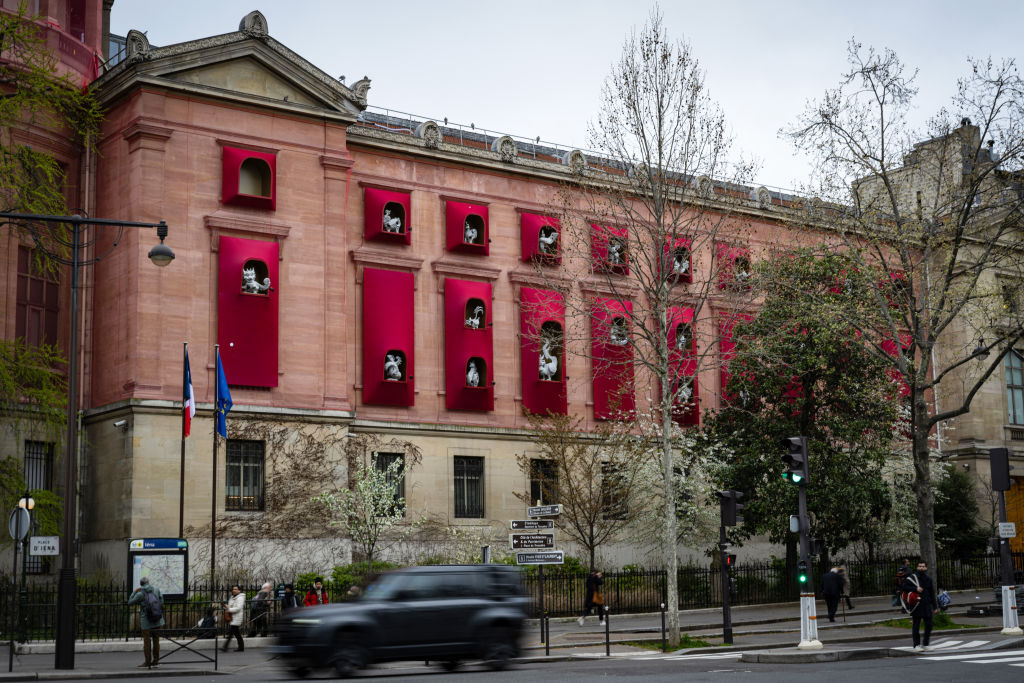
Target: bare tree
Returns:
[[932, 228], [594, 476], [651, 243]]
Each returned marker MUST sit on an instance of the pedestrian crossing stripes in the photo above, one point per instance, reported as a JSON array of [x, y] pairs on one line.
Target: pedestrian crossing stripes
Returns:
[[947, 645], [1011, 657]]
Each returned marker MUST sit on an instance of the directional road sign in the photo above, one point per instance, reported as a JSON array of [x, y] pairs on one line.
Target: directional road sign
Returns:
[[549, 557], [531, 541], [532, 524], [544, 511], [1007, 530]]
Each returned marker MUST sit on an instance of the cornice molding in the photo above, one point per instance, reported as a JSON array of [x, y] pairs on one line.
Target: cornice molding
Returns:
[[260, 228], [458, 269]]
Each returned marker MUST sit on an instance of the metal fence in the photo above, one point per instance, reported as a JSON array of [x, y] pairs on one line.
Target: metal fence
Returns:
[[103, 615]]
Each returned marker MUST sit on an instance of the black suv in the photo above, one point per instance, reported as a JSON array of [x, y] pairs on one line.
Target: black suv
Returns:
[[441, 613]]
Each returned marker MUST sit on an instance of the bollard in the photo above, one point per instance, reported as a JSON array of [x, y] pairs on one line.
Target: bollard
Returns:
[[664, 642], [547, 640], [607, 633]]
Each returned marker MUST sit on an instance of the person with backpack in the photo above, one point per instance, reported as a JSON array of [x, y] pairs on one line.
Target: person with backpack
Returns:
[[918, 599], [151, 617], [902, 573]]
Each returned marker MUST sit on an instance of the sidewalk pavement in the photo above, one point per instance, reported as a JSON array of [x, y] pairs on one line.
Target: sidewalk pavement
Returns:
[[768, 632]]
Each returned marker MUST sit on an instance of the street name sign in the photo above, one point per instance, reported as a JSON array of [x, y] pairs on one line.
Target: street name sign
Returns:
[[549, 557], [44, 545], [544, 511], [532, 524], [1007, 530], [531, 541]]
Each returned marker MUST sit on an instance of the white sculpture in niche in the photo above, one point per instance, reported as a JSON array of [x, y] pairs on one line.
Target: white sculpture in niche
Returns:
[[616, 252], [249, 284], [742, 269], [685, 394], [547, 239], [617, 334], [476, 321], [682, 338], [548, 362], [391, 224], [681, 262], [469, 234], [393, 368], [472, 375]]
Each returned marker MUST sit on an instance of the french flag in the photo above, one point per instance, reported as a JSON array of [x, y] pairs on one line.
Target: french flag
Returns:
[[188, 399]]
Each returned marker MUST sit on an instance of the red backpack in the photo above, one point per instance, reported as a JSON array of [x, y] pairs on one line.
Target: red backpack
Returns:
[[910, 599]]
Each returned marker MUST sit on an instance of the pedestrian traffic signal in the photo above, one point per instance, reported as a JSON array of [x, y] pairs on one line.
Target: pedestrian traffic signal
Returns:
[[817, 546], [795, 459], [731, 507], [730, 560], [801, 572]]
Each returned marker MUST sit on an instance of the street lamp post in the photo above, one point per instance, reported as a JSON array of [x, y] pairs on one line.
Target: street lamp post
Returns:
[[46, 232], [26, 503]]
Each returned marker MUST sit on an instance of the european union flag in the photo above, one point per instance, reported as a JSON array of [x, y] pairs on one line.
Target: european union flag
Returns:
[[223, 401]]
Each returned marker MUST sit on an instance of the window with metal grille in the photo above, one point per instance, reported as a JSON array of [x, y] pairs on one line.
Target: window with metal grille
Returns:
[[1014, 387], [37, 301], [543, 482], [469, 486], [38, 476], [383, 462], [244, 480]]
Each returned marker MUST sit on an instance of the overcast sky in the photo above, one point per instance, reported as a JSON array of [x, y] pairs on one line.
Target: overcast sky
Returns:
[[535, 67]]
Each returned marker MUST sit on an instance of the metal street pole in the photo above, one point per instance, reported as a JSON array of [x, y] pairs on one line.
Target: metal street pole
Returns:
[[808, 611], [1011, 620], [723, 548], [161, 255]]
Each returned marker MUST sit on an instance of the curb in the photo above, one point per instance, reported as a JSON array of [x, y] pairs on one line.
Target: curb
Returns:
[[793, 656]]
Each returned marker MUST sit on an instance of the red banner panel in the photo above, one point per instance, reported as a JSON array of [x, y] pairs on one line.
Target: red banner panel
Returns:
[[683, 365], [679, 259], [542, 351], [386, 215], [388, 338], [734, 266], [727, 346], [468, 345], [249, 178], [541, 238], [247, 318], [609, 249], [466, 227], [613, 359]]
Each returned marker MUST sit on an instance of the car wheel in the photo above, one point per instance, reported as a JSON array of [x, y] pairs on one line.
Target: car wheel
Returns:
[[499, 646], [349, 655], [450, 664]]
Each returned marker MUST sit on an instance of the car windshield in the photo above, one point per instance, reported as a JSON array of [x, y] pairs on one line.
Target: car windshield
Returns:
[[385, 588]]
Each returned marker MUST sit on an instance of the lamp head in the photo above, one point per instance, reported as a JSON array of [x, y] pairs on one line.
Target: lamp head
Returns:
[[27, 503], [161, 254]]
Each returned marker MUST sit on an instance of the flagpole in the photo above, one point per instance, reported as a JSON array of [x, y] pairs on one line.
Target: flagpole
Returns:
[[213, 495], [184, 410]]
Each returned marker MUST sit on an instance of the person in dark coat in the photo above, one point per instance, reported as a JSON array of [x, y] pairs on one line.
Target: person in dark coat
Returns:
[[901, 574], [150, 627], [290, 599], [591, 590], [832, 590], [919, 582], [259, 611]]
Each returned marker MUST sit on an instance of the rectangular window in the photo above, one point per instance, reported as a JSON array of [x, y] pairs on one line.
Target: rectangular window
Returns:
[[1015, 387], [383, 462], [469, 486], [244, 477], [613, 494], [38, 476], [37, 308], [543, 482]]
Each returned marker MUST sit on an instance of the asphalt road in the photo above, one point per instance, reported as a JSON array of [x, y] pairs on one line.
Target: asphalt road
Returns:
[[989, 666]]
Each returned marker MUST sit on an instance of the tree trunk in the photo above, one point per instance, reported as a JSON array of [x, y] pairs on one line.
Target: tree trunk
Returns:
[[923, 483], [672, 580]]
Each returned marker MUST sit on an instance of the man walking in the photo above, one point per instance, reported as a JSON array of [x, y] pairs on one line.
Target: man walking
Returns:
[[151, 618], [259, 611], [901, 574], [831, 590], [920, 583]]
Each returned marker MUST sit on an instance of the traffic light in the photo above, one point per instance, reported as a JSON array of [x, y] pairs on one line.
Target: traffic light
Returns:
[[801, 572], [795, 459], [732, 587], [730, 560], [999, 466], [731, 507], [816, 546]]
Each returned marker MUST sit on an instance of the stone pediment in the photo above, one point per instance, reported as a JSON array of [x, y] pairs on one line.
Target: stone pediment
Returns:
[[246, 75], [247, 65]]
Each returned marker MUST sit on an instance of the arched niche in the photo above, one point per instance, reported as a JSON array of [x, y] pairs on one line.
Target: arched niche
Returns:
[[476, 372], [255, 178], [393, 220], [394, 366], [256, 277], [683, 337], [551, 355], [742, 269], [681, 261], [476, 314], [618, 332], [474, 230], [547, 241]]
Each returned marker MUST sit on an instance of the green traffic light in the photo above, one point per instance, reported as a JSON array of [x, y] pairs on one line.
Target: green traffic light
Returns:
[[803, 578], [797, 478]]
